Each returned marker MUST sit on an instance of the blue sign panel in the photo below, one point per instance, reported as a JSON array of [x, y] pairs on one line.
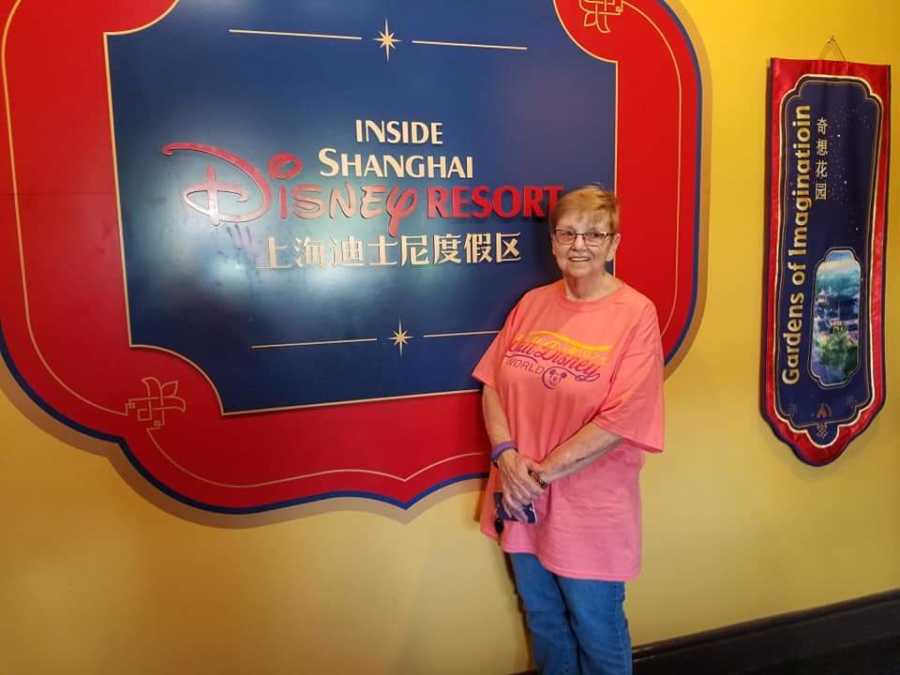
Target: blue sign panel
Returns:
[[342, 205], [830, 145]]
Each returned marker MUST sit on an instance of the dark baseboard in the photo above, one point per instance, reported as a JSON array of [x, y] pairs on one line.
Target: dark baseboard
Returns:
[[859, 637]]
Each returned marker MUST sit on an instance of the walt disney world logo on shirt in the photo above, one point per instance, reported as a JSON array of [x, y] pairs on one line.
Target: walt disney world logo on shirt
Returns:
[[555, 357]]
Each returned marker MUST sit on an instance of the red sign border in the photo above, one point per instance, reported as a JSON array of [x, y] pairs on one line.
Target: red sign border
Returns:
[[53, 395]]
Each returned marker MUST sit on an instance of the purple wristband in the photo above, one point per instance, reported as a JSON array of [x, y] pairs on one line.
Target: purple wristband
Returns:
[[500, 448]]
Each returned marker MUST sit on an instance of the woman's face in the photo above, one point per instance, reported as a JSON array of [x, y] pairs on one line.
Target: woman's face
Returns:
[[583, 258]]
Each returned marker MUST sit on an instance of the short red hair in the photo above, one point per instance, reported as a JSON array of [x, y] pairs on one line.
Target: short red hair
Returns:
[[592, 203]]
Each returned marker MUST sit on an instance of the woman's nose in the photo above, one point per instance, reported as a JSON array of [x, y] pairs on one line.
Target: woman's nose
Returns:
[[579, 242]]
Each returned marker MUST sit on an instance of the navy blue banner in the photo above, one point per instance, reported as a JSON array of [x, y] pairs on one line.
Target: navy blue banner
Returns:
[[824, 348], [344, 208]]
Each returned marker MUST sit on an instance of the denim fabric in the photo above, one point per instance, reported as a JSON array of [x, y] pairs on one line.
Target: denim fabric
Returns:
[[577, 626]]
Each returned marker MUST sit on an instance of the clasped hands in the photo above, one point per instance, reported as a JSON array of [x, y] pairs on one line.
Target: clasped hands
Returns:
[[518, 481]]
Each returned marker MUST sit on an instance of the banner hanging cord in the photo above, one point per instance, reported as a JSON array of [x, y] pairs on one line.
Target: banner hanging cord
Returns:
[[832, 44]]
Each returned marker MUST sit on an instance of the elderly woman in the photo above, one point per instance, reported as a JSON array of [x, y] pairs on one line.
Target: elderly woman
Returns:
[[572, 398]]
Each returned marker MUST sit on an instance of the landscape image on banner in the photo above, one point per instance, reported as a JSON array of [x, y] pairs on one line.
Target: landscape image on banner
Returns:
[[835, 340]]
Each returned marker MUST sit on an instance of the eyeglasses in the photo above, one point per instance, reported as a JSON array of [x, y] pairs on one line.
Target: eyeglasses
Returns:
[[590, 238]]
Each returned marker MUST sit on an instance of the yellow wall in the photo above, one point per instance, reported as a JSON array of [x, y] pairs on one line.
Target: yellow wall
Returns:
[[94, 578]]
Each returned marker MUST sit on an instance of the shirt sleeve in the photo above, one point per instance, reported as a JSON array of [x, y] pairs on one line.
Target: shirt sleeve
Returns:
[[486, 370], [634, 408]]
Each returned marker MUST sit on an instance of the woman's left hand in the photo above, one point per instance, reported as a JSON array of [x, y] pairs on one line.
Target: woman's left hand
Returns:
[[515, 481]]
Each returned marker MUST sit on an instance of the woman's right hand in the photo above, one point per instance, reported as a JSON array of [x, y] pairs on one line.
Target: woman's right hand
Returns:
[[519, 489]]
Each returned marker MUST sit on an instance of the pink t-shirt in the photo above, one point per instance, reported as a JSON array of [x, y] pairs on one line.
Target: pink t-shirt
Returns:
[[557, 365]]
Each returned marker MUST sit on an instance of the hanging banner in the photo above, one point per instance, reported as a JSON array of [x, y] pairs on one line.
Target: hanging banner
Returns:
[[823, 358], [260, 246]]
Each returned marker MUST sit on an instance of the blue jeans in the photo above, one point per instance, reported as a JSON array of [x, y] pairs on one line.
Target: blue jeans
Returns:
[[576, 625]]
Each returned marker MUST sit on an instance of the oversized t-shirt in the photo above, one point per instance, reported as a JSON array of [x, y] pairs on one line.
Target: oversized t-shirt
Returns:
[[558, 365]]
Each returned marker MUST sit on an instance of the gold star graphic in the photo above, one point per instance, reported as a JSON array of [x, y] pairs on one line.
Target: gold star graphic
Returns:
[[387, 41], [401, 337]]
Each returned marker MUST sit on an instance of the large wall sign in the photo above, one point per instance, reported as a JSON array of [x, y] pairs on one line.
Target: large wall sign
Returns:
[[262, 245], [823, 357]]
